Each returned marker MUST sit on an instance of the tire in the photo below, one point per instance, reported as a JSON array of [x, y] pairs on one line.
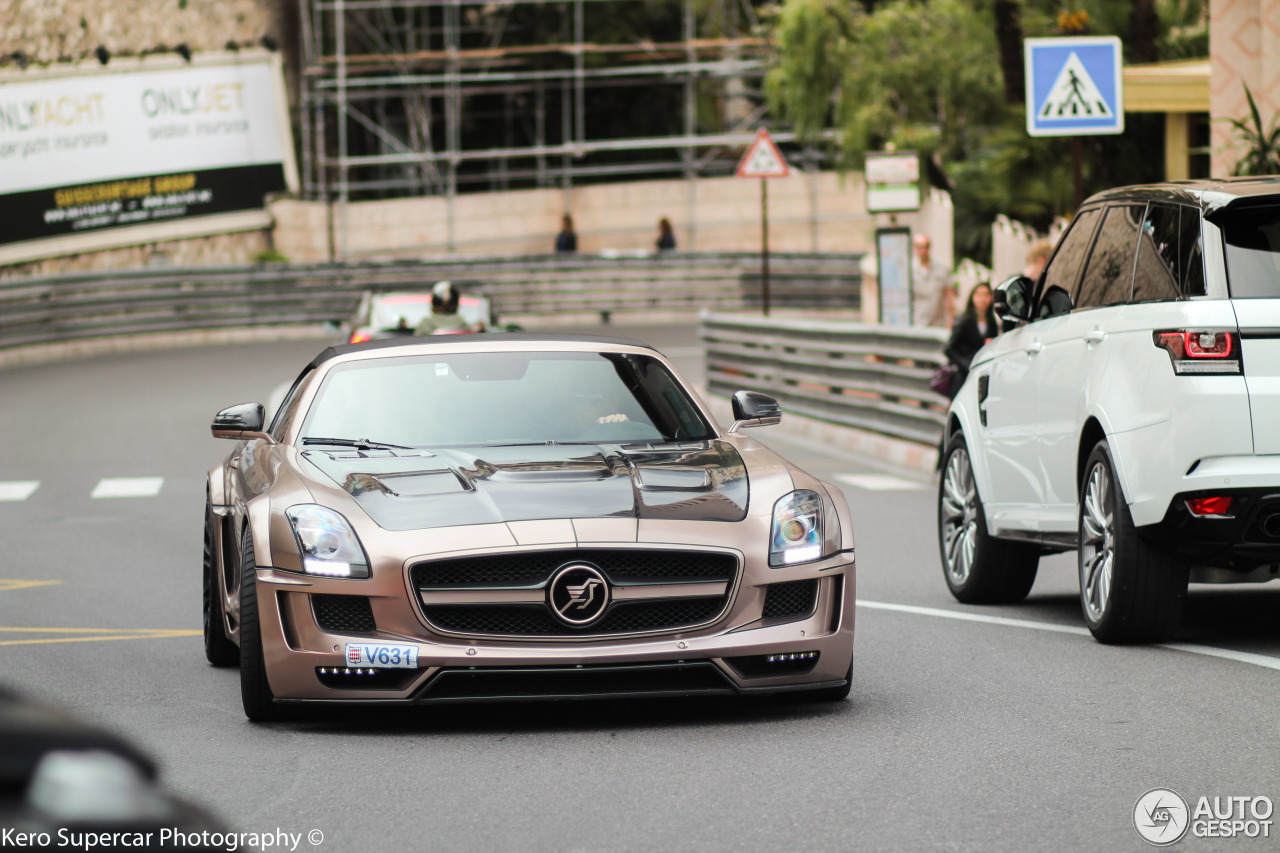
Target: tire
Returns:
[[218, 648], [1129, 591], [978, 568], [255, 692]]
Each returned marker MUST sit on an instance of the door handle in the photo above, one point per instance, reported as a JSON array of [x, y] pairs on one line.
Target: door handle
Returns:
[[1034, 348], [1094, 337]]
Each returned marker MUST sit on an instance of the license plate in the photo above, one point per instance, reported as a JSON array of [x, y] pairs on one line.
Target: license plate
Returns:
[[382, 656]]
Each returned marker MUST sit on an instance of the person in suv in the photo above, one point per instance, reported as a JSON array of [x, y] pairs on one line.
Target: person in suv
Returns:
[[1132, 413]]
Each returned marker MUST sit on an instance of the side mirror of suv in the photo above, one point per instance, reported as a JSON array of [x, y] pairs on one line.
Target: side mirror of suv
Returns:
[[1012, 300]]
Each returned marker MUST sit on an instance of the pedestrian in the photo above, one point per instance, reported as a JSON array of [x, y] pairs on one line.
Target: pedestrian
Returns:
[[567, 239], [976, 325], [932, 294], [666, 236], [1037, 257]]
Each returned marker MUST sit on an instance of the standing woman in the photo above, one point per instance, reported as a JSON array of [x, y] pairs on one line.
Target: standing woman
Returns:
[[976, 325], [666, 236]]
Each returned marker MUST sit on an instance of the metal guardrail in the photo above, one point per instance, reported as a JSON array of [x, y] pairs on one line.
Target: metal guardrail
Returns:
[[871, 377], [109, 304]]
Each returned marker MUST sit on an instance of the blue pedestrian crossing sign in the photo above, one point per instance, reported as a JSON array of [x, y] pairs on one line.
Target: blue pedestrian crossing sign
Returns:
[[1074, 86]]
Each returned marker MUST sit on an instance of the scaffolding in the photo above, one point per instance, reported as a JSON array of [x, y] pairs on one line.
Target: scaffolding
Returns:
[[405, 97]]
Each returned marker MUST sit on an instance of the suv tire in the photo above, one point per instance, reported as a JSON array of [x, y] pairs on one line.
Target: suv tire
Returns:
[[1129, 591], [979, 568]]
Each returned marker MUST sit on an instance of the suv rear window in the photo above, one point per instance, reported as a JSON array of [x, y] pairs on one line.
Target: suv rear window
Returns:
[[1252, 240]]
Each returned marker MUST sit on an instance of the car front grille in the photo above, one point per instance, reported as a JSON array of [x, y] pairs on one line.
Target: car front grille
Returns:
[[343, 614], [506, 594], [790, 599]]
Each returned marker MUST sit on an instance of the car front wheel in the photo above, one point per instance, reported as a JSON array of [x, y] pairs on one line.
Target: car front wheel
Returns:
[[979, 568], [1130, 592], [255, 692]]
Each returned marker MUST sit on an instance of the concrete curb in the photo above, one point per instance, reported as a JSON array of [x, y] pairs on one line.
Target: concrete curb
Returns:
[[893, 451]]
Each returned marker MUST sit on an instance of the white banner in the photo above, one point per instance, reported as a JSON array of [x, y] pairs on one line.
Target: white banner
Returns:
[[73, 130], [132, 146]]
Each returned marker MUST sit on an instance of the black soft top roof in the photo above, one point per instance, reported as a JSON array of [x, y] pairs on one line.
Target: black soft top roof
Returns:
[[441, 340]]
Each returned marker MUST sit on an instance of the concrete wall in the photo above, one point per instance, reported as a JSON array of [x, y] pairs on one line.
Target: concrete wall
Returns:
[[213, 250], [1244, 43], [68, 30], [819, 212]]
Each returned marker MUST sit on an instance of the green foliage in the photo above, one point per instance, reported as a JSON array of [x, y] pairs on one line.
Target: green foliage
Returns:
[[814, 40], [270, 256], [919, 76], [1262, 147]]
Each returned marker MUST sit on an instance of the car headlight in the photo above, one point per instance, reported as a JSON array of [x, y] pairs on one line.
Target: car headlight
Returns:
[[797, 529], [328, 544]]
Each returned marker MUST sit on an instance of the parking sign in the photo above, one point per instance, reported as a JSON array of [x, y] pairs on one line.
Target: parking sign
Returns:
[[1074, 86]]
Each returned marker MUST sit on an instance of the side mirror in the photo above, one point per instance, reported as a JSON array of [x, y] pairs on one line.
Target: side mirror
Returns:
[[244, 421], [1012, 299], [752, 409], [1055, 302]]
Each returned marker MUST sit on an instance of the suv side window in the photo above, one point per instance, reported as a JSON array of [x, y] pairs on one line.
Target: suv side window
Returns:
[[1108, 277], [1064, 266], [1157, 274]]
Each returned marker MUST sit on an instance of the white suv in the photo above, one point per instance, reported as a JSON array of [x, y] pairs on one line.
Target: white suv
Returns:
[[1131, 412]]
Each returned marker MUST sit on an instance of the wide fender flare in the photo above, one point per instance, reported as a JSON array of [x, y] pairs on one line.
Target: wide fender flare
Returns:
[[258, 517], [218, 486]]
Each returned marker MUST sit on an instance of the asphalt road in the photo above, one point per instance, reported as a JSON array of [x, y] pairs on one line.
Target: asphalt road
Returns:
[[1021, 734]]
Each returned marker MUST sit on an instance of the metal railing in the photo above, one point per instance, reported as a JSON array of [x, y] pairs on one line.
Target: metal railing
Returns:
[[871, 377], [111, 304]]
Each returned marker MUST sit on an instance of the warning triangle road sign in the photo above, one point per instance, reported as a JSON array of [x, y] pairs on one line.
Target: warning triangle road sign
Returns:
[[1074, 95], [763, 159]]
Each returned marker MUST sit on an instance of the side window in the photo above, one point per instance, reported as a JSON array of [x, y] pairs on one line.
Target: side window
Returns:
[[1064, 266], [1108, 277], [1157, 274]]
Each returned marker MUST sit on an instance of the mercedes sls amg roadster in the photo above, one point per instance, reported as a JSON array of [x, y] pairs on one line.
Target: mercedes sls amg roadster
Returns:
[[498, 518]]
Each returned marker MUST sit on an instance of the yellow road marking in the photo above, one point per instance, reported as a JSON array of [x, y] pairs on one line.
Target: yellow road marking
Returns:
[[7, 585], [100, 635]]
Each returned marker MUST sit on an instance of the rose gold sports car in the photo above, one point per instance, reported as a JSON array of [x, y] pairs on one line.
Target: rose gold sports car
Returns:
[[517, 517]]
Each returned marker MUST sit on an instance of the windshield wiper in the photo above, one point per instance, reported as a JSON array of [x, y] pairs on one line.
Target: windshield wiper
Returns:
[[357, 443]]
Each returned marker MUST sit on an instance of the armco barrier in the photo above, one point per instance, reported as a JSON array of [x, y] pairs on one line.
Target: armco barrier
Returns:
[[872, 378], [111, 304]]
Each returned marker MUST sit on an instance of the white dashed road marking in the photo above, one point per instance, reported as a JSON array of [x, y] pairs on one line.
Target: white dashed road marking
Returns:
[[17, 490], [880, 482], [1209, 651], [128, 487]]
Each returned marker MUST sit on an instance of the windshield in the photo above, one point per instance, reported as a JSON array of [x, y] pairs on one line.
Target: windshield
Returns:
[[1252, 240], [504, 398]]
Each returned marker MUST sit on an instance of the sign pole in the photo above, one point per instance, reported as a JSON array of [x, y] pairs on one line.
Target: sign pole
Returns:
[[764, 244], [763, 160], [1075, 171]]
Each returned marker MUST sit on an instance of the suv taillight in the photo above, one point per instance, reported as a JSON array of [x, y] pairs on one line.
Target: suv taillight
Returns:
[[1201, 352]]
